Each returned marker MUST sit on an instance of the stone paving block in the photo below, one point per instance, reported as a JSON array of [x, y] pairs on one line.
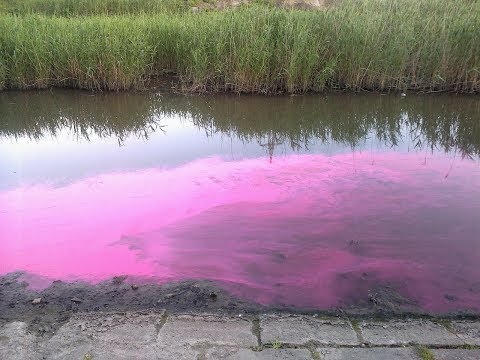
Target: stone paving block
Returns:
[[301, 329], [266, 354], [105, 337], [398, 332], [16, 343], [456, 354], [185, 330], [367, 354], [468, 331], [177, 353]]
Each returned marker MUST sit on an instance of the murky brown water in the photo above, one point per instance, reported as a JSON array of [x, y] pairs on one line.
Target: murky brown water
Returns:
[[309, 201]]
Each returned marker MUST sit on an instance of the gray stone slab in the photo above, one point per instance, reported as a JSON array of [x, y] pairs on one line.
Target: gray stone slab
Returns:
[[176, 353], [367, 354], [266, 354], [105, 337], [186, 330], [398, 332], [456, 354], [302, 329], [468, 331], [16, 343]]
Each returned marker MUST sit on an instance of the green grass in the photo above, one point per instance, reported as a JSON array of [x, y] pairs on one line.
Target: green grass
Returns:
[[277, 344], [427, 45], [356, 325], [446, 323], [424, 353], [70, 8], [96, 7]]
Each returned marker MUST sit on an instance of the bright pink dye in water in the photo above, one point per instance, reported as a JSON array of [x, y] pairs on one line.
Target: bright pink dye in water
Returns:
[[307, 230]]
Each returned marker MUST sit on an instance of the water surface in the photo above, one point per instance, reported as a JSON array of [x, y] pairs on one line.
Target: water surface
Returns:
[[305, 201]]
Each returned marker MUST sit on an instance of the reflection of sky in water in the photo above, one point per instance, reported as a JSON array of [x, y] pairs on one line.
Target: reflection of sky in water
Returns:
[[69, 156]]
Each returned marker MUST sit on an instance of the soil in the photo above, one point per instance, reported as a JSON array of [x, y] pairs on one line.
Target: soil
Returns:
[[48, 309]]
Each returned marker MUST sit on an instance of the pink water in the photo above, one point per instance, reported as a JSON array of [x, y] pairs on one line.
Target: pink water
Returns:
[[305, 230]]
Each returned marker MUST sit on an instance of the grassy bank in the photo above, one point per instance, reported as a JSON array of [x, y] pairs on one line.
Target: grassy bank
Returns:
[[95, 7], [121, 7], [429, 45]]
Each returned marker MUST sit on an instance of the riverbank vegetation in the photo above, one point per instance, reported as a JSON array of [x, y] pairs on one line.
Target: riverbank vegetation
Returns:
[[96, 7], [134, 7], [425, 45]]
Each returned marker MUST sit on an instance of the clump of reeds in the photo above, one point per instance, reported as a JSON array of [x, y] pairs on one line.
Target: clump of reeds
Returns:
[[92, 52], [94, 7], [428, 45]]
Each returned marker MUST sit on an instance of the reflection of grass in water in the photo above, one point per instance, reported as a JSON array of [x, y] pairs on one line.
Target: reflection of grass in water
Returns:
[[425, 122], [301, 121], [118, 115], [359, 44]]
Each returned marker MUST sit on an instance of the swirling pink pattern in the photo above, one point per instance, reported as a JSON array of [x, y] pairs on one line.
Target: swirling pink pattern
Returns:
[[305, 230]]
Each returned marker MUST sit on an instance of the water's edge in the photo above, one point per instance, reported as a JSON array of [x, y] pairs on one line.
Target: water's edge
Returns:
[[59, 301]]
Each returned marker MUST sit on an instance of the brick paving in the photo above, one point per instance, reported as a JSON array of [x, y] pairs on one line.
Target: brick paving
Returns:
[[162, 336]]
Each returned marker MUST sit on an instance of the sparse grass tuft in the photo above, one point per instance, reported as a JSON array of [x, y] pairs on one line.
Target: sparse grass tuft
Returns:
[[277, 344], [447, 324], [424, 353], [355, 325]]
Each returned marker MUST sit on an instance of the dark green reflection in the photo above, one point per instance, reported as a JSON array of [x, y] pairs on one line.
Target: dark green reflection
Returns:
[[444, 122], [37, 114]]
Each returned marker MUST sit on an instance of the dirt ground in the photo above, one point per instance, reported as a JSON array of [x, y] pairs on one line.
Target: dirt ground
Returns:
[[48, 309]]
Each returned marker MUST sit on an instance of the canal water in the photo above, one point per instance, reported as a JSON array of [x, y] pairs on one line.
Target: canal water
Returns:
[[317, 201]]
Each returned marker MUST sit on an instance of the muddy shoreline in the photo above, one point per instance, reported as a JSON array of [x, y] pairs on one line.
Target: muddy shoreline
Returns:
[[48, 309]]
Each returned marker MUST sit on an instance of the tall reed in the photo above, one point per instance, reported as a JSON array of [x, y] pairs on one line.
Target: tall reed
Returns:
[[94, 7], [429, 45]]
